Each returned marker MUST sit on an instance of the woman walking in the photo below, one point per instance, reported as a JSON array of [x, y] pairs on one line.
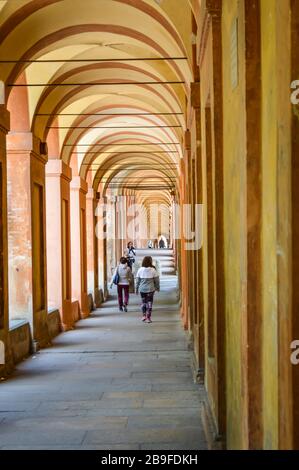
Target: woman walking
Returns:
[[130, 254], [147, 282], [122, 277]]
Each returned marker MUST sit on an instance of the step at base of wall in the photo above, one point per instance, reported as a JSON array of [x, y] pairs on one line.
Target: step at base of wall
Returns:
[[214, 440]]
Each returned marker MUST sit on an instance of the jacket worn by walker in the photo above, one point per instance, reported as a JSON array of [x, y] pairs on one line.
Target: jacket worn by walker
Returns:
[[147, 280], [125, 274]]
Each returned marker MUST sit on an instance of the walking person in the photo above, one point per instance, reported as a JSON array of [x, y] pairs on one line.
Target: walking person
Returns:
[[161, 244], [130, 254], [122, 277], [147, 282]]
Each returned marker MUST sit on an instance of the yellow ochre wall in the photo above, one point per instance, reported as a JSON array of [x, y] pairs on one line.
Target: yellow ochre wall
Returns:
[[234, 146], [276, 420], [276, 229]]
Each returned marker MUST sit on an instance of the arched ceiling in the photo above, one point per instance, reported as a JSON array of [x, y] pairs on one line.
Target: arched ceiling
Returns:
[[108, 79]]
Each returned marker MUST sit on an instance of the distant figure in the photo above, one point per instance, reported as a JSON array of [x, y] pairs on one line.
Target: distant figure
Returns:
[[122, 277], [147, 282], [156, 243], [161, 244], [130, 254], [150, 244]]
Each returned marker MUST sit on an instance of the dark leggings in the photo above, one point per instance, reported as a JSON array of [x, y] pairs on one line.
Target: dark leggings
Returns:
[[147, 303]]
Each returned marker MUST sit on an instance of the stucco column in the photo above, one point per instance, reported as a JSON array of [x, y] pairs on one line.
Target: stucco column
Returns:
[[191, 253], [111, 235], [92, 260], [79, 190], [131, 226], [101, 230], [121, 215], [58, 177], [123, 223], [199, 274], [118, 221], [5, 355], [26, 159], [184, 254]]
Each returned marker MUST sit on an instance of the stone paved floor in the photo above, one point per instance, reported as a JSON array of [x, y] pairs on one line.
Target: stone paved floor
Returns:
[[112, 383]]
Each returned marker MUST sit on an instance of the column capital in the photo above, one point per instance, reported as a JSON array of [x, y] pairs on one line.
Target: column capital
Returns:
[[26, 142], [79, 184], [57, 168]]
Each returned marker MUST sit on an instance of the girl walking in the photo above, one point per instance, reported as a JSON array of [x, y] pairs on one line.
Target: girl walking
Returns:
[[147, 282], [123, 276]]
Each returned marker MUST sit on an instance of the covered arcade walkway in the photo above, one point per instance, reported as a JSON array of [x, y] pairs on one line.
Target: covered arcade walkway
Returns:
[[142, 121], [112, 383]]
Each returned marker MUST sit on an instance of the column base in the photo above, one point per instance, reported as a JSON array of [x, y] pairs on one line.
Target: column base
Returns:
[[40, 329], [75, 311], [67, 316], [91, 305], [106, 293], [198, 373], [214, 440], [98, 297], [67, 327], [85, 310], [7, 368]]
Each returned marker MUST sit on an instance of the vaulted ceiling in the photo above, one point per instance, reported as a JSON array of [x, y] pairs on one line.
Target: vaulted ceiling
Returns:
[[106, 84]]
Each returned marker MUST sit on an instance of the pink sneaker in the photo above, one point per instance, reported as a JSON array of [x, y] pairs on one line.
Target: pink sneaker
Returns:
[[144, 318]]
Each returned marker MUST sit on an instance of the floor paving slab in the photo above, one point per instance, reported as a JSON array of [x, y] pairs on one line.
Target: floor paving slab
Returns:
[[113, 383]]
